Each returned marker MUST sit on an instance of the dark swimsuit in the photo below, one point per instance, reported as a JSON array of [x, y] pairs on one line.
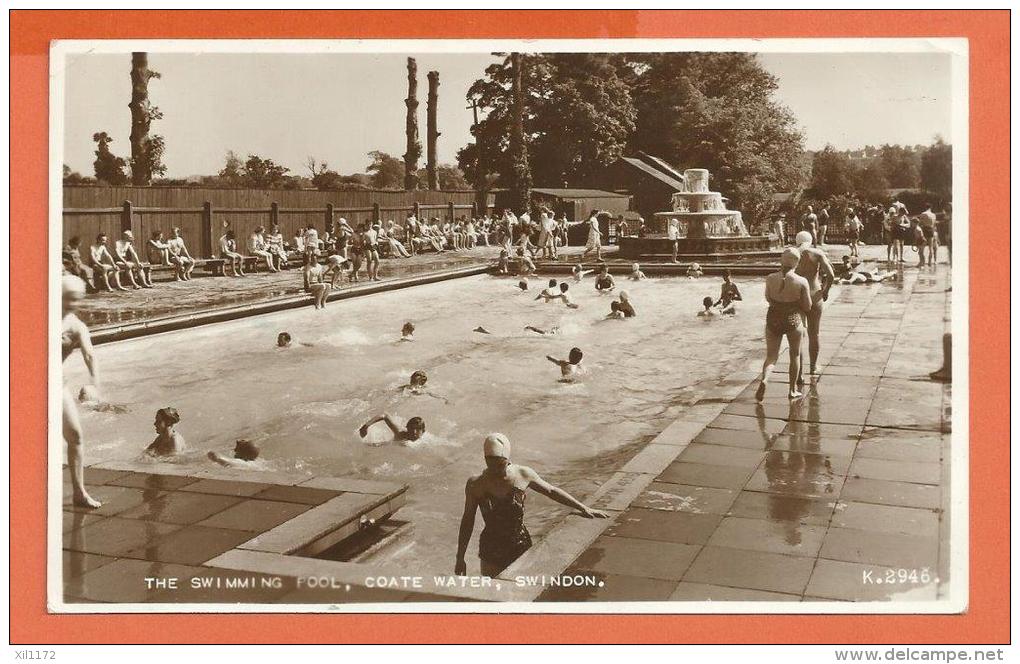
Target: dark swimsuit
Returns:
[[505, 536], [783, 317], [602, 283]]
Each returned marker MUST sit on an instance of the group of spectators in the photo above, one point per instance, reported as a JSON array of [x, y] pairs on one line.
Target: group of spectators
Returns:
[[123, 265], [892, 225]]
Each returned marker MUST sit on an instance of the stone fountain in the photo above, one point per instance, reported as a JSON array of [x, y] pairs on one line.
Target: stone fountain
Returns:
[[706, 229]]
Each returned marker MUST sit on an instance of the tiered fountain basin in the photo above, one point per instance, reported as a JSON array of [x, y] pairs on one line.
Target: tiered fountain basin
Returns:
[[705, 229]]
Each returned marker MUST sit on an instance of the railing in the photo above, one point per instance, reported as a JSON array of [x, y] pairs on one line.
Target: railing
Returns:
[[199, 222]]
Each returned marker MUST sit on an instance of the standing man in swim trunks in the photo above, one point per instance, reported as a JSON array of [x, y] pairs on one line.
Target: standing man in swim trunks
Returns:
[[814, 265], [926, 222], [372, 251], [823, 224]]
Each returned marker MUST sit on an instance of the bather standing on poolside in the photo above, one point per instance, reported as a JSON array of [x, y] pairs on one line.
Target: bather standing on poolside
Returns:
[[789, 298], [74, 335], [815, 267], [499, 493]]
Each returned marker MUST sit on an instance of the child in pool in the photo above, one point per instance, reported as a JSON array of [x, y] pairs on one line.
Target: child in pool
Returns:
[[694, 271], [564, 287], [407, 332], [416, 386], [570, 368], [522, 285], [549, 293], [708, 311], [413, 430], [626, 306], [616, 313], [168, 442], [604, 282], [580, 272], [245, 452], [88, 397], [284, 340], [635, 273]]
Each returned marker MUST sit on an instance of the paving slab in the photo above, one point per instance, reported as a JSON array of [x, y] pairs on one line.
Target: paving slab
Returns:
[[754, 570]]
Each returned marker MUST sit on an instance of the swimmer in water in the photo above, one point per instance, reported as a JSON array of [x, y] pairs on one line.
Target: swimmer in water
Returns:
[[708, 311], [245, 452], [728, 295], [283, 340], [635, 273], [694, 271], [522, 285], [604, 282], [416, 386], [413, 430], [626, 306], [88, 397], [564, 287], [168, 441], [616, 313], [549, 293], [407, 332], [569, 368], [538, 330], [579, 272]]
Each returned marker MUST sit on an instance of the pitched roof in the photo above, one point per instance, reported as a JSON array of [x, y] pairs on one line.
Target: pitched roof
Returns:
[[578, 193], [655, 173]]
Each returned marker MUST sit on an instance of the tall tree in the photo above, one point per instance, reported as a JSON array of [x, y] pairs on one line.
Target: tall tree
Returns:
[[577, 117], [716, 111], [432, 131], [386, 171], [451, 178], [830, 173], [413, 153], [262, 173], [901, 166], [108, 167], [520, 174], [937, 168], [146, 151]]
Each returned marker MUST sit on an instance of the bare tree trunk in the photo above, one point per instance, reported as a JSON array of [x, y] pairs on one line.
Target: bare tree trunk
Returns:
[[413, 144], [520, 184], [433, 130], [141, 167]]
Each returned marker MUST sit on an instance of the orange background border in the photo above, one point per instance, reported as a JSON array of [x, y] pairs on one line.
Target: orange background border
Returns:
[[987, 620]]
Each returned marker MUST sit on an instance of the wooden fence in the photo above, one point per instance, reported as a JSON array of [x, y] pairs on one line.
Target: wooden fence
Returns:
[[200, 213]]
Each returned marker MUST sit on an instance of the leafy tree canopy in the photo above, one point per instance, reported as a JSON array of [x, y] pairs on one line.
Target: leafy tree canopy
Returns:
[[109, 168]]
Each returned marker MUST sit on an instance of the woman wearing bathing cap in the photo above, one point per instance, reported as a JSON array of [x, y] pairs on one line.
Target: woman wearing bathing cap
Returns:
[[74, 335], [789, 299], [499, 493]]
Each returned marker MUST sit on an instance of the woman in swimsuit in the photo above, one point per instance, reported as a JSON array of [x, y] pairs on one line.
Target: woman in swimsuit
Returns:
[[357, 247], [499, 493], [789, 298], [74, 335], [315, 277]]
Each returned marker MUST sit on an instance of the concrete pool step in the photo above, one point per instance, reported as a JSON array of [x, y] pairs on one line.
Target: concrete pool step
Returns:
[[109, 333]]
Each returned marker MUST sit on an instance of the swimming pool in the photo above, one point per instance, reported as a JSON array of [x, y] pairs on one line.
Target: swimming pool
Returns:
[[303, 404]]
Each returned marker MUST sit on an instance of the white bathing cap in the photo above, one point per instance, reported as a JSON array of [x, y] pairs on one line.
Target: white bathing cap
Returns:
[[803, 237], [790, 259], [496, 445]]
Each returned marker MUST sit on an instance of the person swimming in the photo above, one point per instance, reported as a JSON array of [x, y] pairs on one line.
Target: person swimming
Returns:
[[626, 306], [579, 272], [416, 386], [571, 367], [635, 272], [245, 452], [410, 432], [538, 330], [407, 332], [728, 294], [564, 287], [522, 285], [694, 271], [283, 340], [168, 441], [604, 282], [615, 312], [709, 309], [549, 293]]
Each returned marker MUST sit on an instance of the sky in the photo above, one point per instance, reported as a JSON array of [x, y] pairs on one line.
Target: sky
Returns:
[[338, 107]]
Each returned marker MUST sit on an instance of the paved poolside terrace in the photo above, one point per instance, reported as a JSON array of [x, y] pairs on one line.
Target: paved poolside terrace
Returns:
[[731, 502]]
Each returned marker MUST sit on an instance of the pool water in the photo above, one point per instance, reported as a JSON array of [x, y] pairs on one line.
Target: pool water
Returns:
[[304, 404]]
